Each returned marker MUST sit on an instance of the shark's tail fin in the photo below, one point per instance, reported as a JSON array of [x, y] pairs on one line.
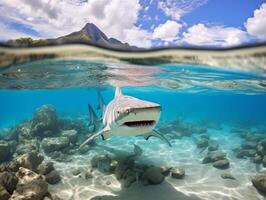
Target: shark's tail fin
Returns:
[[101, 105], [92, 118], [118, 91]]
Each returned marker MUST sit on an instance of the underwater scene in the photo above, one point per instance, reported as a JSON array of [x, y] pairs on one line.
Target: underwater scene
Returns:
[[170, 124]]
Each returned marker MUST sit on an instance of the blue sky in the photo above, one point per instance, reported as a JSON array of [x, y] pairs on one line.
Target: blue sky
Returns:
[[144, 23]]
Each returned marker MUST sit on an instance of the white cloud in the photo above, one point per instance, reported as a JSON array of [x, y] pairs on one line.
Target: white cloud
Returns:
[[138, 37], [52, 18], [203, 35], [176, 9], [167, 31], [146, 8], [256, 25]]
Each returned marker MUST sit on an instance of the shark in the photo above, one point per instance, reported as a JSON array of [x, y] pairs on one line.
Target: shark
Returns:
[[95, 123], [127, 116]]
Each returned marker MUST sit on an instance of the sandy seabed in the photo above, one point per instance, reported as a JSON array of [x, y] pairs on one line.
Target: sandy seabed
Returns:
[[202, 181]]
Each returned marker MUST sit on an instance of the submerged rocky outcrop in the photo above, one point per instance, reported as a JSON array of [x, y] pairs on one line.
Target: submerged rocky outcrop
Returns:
[[45, 122], [24, 173], [253, 147], [127, 171], [44, 132], [178, 129], [25, 178]]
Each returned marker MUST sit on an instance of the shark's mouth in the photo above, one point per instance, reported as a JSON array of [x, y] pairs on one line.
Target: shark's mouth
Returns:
[[143, 123]]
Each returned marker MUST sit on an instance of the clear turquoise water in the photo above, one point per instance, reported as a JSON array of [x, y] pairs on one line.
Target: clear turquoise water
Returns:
[[216, 106]]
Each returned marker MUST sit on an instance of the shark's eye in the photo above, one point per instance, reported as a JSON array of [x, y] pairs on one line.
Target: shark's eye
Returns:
[[118, 112]]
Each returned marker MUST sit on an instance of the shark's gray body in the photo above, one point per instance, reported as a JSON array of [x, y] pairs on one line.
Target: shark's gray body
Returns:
[[128, 116]]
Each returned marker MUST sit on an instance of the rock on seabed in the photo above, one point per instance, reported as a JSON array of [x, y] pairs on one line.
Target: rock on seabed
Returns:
[[259, 181], [54, 144]]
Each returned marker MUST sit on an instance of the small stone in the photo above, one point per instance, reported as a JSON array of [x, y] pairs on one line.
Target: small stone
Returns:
[[113, 165], [108, 182], [202, 143], [245, 153], [54, 144], [221, 164], [227, 176], [153, 175], [88, 175], [177, 173], [213, 156], [76, 172], [53, 177]]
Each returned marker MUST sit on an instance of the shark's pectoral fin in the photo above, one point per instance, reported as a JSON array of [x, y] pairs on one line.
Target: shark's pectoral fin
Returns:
[[91, 137], [157, 134]]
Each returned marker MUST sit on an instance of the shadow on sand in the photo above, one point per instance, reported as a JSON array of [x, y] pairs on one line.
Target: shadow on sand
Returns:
[[155, 192]]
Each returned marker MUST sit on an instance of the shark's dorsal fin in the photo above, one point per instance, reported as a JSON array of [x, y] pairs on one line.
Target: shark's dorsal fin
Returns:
[[118, 91]]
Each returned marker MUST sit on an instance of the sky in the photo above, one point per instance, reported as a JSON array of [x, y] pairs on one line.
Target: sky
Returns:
[[143, 23]]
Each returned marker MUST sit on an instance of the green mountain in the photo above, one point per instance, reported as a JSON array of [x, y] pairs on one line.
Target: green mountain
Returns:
[[90, 34]]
